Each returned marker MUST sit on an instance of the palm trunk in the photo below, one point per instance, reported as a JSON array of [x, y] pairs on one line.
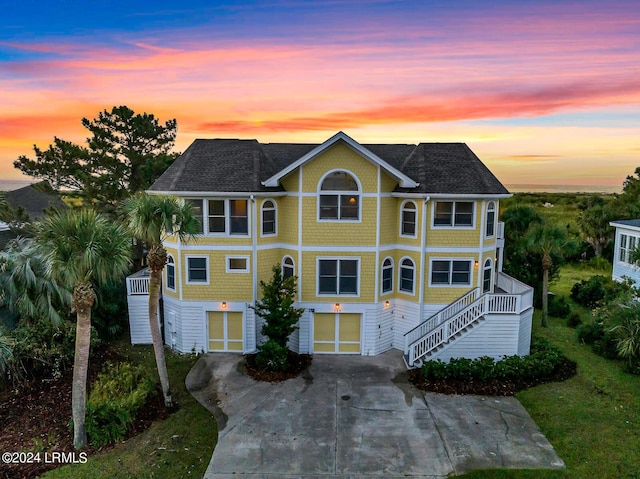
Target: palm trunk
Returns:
[[545, 297], [83, 297], [155, 278]]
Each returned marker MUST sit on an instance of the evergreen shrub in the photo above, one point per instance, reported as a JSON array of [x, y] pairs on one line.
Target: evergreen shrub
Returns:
[[118, 394]]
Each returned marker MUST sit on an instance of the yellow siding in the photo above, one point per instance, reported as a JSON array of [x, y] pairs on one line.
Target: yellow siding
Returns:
[[447, 294], [340, 156], [288, 220], [266, 260], [309, 279], [387, 183], [339, 233], [222, 285], [457, 237], [389, 222], [290, 183]]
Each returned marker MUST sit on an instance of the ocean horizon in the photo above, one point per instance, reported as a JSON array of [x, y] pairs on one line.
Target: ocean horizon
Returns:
[[10, 185]]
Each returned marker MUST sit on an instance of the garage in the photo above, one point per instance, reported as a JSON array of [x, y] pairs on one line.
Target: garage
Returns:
[[336, 333], [225, 331]]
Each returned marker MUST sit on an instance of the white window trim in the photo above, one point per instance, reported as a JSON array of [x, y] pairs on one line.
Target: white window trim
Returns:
[[484, 270], [320, 192], [166, 270], [451, 285], [227, 217], [402, 206], [282, 264], [275, 226], [486, 221], [457, 228], [227, 262], [382, 268], [627, 248], [402, 291], [337, 258], [208, 270]]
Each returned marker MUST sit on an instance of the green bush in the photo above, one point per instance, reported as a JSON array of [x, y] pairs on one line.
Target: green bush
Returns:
[[598, 290], [559, 307], [600, 337], [542, 363], [45, 350], [272, 356], [599, 263], [120, 391]]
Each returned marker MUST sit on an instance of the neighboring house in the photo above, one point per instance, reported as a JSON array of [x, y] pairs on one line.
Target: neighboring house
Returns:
[[30, 202], [627, 240], [394, 246]]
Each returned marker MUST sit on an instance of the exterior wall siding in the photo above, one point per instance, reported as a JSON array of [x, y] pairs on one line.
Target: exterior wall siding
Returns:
[[382, 327], [496, 336], [138, 307]]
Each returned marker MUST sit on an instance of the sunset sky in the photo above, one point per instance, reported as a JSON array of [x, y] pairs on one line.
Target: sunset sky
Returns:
[[543, 91]]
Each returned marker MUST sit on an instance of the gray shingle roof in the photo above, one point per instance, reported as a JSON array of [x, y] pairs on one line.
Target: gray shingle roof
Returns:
[[34, 199], [222, 165], [634, 223]]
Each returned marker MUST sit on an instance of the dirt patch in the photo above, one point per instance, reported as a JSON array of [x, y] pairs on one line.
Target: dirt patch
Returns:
[[36, 418], [296, 365], [566, 371]]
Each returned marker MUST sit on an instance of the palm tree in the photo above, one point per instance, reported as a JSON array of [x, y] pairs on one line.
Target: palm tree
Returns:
[[152, 218], [26, 285], [83, 249], [547, 241]]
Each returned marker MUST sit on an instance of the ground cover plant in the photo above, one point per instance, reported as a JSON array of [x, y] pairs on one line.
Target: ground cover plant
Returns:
[[498, 378], [160, 442]]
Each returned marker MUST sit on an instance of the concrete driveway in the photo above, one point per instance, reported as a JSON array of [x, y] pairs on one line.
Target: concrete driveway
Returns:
[[354, 416]]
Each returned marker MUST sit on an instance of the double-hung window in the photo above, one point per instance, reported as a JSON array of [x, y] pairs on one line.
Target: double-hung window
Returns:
[[408, 219], [453, 214], [228, 217], [268, 218], [451, 272], [387, 275], [491, 219], [627, 246], [197, 269], [171, 273], [338, 276], [339, 197], [407, 276], [198, 213]]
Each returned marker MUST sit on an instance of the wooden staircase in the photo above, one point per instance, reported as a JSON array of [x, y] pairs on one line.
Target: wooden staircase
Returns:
[[458, 319]]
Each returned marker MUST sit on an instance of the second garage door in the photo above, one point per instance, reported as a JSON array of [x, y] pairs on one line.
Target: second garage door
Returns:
[[336, 333], [225, 331]]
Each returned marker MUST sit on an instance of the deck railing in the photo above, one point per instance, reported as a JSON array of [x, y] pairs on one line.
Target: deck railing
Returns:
[[138, 283], [442, 327]]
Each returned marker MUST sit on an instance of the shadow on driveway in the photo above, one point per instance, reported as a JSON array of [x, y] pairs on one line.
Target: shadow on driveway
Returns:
[[353, 416]]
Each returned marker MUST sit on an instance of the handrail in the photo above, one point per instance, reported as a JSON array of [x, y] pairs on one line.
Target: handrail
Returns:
[[438, 318], [443, 329]]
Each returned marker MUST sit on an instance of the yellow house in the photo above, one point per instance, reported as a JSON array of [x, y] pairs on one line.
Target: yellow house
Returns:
[[393, 246]]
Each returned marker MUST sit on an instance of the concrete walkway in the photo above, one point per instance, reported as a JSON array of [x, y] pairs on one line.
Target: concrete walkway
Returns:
[[353, 417]]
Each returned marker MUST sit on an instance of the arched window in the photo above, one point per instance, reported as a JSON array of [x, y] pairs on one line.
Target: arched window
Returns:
[[171, 273], [407, 272], [268, 218], [491, 219], [387, 275], [288, 268], [339, 197], [408, 219], [486, 277]]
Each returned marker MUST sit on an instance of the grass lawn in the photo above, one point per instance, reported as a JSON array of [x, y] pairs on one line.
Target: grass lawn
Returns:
[[592, 420], [180, 446]]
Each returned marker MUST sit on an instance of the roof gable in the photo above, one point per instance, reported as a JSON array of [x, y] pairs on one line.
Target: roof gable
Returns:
[[403, 180]]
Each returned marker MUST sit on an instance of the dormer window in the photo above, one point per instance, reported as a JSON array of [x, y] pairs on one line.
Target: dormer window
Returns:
[[339, 197]]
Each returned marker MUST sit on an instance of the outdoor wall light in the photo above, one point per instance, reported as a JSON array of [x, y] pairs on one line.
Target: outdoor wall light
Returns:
[[223, 305], [338, 307], [476, 263], [387, 303]]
